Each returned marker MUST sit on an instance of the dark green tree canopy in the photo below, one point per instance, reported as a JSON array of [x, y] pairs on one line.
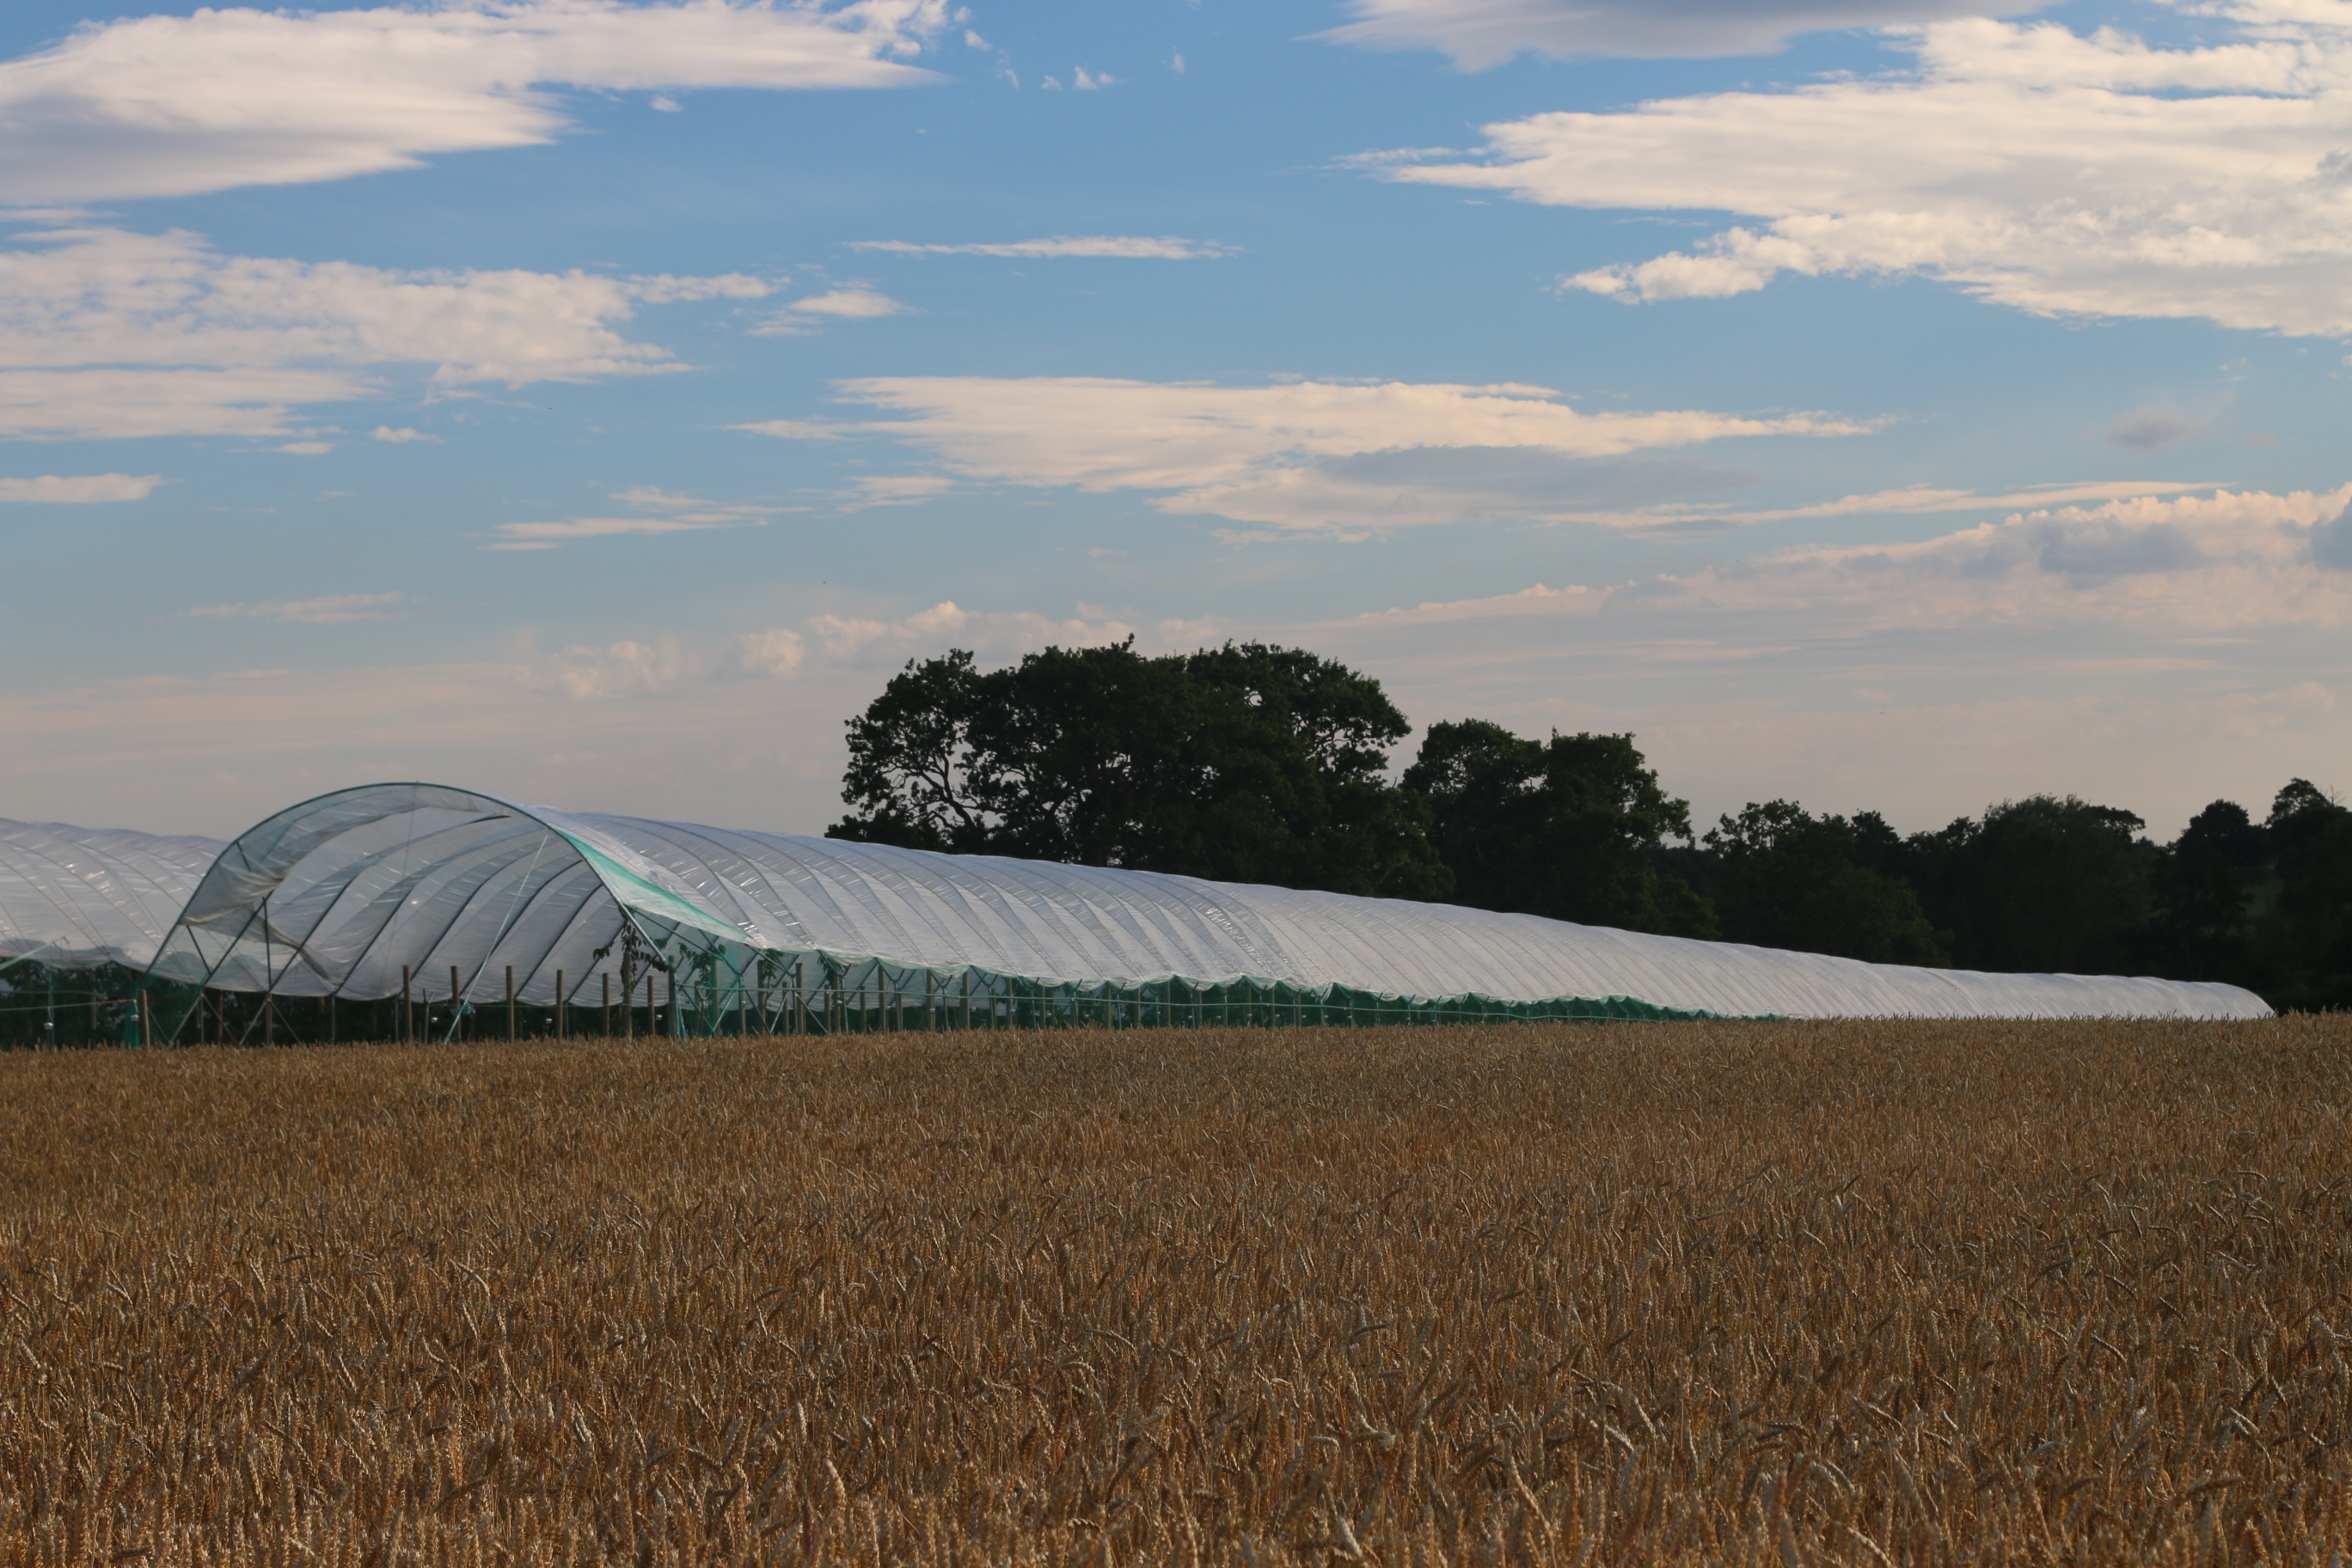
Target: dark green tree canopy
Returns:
[[1246, 763], [1784, 878], [1567, 828], [2048, 884]]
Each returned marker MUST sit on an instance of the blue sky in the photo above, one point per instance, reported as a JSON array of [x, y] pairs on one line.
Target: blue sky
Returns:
[[1896, 405]]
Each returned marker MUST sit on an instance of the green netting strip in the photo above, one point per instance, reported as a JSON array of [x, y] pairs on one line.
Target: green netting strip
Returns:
[[729, 989]]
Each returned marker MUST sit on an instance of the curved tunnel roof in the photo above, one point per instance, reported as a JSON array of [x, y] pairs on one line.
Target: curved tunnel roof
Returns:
[[76, 897], [338, 895]]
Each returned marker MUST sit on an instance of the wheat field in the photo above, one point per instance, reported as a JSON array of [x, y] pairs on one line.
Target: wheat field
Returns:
[[1788, 1294]]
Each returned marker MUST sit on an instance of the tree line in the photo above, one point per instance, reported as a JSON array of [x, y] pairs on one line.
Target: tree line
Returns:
[[1255, 763]]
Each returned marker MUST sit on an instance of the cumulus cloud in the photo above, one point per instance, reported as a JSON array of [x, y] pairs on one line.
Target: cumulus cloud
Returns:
[[1482, 33], [79, 488], [1163, 248], [402, 435], [1315, 455], [623, 668], [819, 645], [166, 105], [660, 512], [107, 333], [333, 610], [2058, 173]]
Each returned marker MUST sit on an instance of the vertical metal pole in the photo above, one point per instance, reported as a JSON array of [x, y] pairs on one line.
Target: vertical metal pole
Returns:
[[562, 999], [456, 1011], [407, 1017], [510, 1003]]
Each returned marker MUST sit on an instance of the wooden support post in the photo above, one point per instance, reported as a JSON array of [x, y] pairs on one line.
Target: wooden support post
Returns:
[[407, 1009], [562, 997], [608, 1003], [456, 1016], [510, 1003], [146, 1030]]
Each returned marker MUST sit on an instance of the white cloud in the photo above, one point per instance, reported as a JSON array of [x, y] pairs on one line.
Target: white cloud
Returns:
[[853, 302], [1086, 80], [770, 655], [402, 435], [80, 488], [225, 345], [625, 668], [307, 448], [1317, 456], [2057, 173], [895, 490], [163, 105], [801, 429], [1162, 247], [670, 512], [852, 639], [331, 610]]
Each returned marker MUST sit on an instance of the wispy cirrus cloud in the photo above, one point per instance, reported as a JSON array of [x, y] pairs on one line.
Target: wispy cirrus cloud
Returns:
[[175, 105], [79, 488], [1911, 501], [333, 609], [1325, 456], [106, 332], [1482, 33], [657, 511], [850, 302], [2054, 171], [1161, 247]]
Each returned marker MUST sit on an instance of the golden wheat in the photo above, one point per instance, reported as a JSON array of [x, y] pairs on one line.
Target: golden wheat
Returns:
[[1856, 1293]]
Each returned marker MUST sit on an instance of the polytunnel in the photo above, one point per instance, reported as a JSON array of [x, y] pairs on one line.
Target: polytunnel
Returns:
[[78, 897], [402, 889]]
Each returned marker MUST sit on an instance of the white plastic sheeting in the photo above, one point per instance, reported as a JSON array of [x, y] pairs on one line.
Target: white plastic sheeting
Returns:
[[78, 897], [339, 895]]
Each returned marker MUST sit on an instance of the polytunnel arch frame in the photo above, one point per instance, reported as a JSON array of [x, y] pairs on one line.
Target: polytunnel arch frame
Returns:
[[1033, 943], [252, 868]]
